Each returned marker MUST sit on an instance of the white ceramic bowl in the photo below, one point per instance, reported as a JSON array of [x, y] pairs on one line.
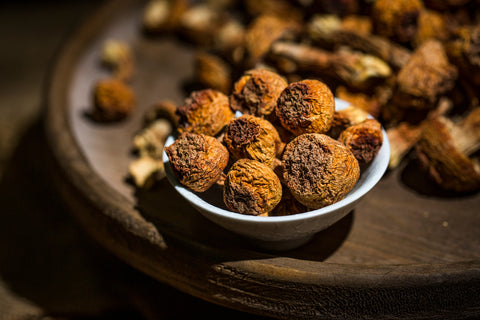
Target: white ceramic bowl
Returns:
[[282, 232]]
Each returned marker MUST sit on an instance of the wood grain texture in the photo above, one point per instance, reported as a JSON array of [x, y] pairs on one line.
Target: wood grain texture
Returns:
[[407, 251]]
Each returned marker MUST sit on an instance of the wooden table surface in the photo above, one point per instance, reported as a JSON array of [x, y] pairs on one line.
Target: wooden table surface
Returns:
[[48, 266]]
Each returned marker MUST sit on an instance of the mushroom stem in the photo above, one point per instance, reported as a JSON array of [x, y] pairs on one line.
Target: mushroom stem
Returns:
[[467, 133]]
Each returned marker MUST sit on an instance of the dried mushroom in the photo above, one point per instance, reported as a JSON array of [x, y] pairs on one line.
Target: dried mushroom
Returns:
[[402, 138], [252, 138], [306, 106], [117, 56], [262, 33], [342, 119], [197, 160], [363, 139], [162, 15], [396, 19], [212, 72], [251, 187], [256, 92], [355, 68], [205, 111], [319, 170], [113, 100], [427, 75], [445, 148]]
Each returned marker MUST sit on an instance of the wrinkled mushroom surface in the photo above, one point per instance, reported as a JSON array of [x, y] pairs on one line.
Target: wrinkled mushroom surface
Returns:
[[319, 170]]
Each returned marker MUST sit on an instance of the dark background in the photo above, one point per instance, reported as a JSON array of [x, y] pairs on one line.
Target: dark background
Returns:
[[50, 269]]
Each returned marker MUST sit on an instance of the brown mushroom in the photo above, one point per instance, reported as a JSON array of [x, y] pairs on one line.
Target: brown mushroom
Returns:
[[306, 106], [319, 170], [113, 100], [402, 139], [396, 19], [445, 148], [256, 92], [205, 111], [342, 119], [212, 72], [251, 187], [364, 140], [197, 160], [424, 78], [252, 138]]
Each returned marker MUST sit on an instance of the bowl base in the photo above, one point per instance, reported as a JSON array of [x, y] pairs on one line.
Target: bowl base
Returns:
[[281, 245]]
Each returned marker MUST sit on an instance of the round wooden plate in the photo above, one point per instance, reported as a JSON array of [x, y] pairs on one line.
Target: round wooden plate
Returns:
[[407, 251]]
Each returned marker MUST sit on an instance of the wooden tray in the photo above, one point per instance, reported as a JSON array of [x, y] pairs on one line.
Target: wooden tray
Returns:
[[407, 251]]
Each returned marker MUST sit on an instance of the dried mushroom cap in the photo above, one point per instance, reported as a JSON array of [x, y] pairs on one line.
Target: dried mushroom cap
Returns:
[[319, 170], [444, 148], [364, 140], [262, 33], [396, 19], [205, 111], [162, 15], [212, 72], [113, 100], [197, 160], [345, 118], [257, 91], [306, 106], [252, 138], [425, 76], [251, 187]]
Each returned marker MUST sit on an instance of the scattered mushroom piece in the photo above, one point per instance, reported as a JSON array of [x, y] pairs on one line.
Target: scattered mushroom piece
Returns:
[[427, 75], [402, 139], [364, 140], [197, 160], [212, 72], [145, 171], [113, 100], [251, 187], [444, 149], [396, 19], [356, 69], [256, 92], [262, 33], [205, 111], [253, 138], [331, 31], [118, 56], [319, 170], [162, 15], [150, 141]]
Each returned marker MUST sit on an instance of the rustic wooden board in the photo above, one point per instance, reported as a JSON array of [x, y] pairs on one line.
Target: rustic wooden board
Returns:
[[407, 251]]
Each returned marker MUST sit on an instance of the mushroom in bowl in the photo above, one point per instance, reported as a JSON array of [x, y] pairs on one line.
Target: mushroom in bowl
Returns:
[[286, 231]]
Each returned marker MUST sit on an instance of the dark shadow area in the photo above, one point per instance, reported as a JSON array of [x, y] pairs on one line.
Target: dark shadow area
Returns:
[[416, 179], [326, 242], [47, 259], [171, 214]]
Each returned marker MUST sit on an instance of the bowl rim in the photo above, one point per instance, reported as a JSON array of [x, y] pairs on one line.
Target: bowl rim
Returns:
[[354, 195]]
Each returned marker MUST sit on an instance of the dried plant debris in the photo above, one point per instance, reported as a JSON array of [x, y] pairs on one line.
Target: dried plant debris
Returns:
[[205, 111], [319, 170], [251, 187], [197, 160]]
